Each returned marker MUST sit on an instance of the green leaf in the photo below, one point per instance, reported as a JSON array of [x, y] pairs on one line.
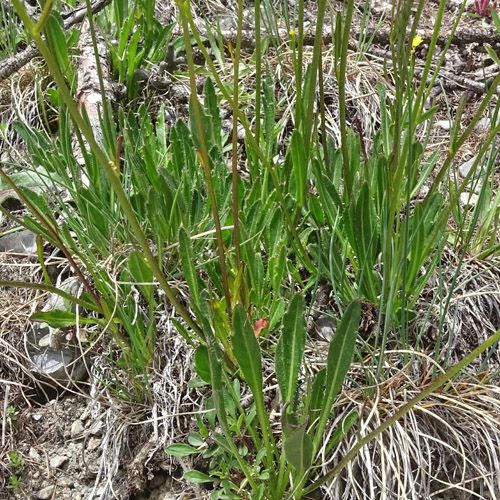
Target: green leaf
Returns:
[[196, 439], [212, 107], [246, 350], [492, 53], [32, 179], [298, 448], [342, 349], [141, 274], [299, 161], [58, 46], [427, 115], [318, 390], [316, 211], [38, 202], [202, 363], [338, 362], [187, 261], [180, 450], [269, 105], [62, 319], [194, 476], [290, 348], [495, 17], [384, 121]]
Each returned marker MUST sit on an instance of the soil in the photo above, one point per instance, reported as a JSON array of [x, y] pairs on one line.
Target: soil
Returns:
[[84, 442]]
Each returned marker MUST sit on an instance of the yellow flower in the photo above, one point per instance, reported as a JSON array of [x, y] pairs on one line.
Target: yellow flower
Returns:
[[417, 41]]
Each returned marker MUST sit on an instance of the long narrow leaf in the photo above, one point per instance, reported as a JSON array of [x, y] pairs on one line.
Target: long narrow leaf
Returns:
[[338, 362], [290, 348], [246, 350]]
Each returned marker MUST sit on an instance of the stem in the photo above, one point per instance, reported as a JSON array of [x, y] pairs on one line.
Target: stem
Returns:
[[51, 289], [342, 103], [258, 70], [318, 41], [204, 157], [235, 175]]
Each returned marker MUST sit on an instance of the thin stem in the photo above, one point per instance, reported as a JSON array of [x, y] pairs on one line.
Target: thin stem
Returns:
[[204, 156], [342, 102], [51, 289], [235, 175], [253, 143], [258, 71]]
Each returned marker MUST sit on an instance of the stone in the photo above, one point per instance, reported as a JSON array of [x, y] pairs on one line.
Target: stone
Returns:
[[57, 461], [77, 428], [93, 443], [444, 124], [483, 125], [66, 482], [53, 356], [326, 327], [34, 455], [468, 200], [19, 242], [46, 493]]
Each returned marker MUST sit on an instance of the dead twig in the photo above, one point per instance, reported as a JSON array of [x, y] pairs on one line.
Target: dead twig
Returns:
[[12, 64]]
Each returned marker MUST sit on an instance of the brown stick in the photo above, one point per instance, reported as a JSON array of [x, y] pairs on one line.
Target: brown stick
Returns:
[[12, 64]]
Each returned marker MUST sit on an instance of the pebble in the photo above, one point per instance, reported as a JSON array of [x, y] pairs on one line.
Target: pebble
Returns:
[[66, 481], [57, 461], [469, 200], [77, 428], [444, 124], [20, 242], [93, 443], [46, 493], [483, 125]]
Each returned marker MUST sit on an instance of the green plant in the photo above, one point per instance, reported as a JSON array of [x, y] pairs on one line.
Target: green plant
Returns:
[[12, 414], [162, 206], [16, 465], [307, 406]]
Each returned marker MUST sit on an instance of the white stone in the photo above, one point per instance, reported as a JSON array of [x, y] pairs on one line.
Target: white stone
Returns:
[[77, 428], [57, 461], [46, 493], [444, 124], [483, 125]]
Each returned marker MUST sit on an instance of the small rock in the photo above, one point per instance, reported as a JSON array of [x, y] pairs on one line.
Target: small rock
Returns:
[[57, 461], [93, 443], [483, 125], [77, 428], [465, 168], [469, 200], [444, 124], [67, 482], [96, 428], [46, 493], [34, 455], [326, 326], [20, 242]]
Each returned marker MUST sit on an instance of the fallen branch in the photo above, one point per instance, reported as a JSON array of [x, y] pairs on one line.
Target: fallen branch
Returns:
[[12, 64]]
